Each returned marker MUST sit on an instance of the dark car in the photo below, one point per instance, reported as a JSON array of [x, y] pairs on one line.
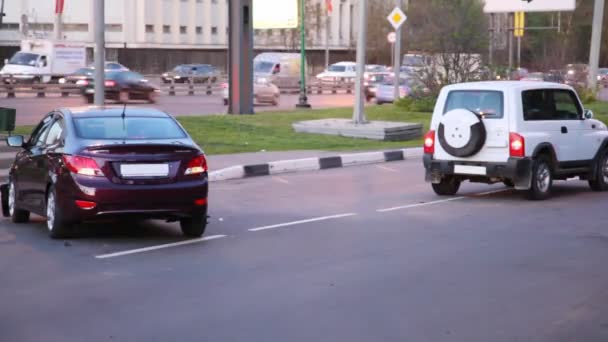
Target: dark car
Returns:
[[79, 75], [577, 74], [90, 164], [199, 73], [122, 87]]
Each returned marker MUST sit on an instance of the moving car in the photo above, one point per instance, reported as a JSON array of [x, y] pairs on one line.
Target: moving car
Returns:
[[407, 87], [602, 76], [342, 72], [577, 74], [122, 86], [111, 66], [372, 81], [199, 73], [280, 69], [78, 75], [91, 164], [263, 93], [524, 134], [533, 77]]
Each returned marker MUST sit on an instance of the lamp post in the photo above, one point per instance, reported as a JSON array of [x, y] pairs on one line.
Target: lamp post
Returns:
[[303, 102]]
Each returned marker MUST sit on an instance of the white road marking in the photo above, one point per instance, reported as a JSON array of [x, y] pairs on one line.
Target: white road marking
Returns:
[[386, 168], [281, 180], [493, 192], [153, 248], [287, 224], [419, 204]]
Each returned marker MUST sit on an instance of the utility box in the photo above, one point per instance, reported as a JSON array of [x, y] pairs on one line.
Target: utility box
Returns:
[[7, 119]]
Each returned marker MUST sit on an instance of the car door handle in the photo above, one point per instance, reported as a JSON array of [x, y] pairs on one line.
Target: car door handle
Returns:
[[564, 130]]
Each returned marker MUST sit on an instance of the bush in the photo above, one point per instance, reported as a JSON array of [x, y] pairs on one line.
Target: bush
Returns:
[[425, 104], [587, 95]]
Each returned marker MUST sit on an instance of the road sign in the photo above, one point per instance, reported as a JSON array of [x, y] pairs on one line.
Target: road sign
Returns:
[[392, 37], [520, 24], [272, 14], [397, 18], [509, 6]]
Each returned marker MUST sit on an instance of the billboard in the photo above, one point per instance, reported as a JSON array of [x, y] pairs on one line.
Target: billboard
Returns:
[[508, 6], [275, 14]]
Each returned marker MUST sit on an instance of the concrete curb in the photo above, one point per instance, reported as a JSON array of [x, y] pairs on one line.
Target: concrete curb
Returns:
[[313, 164]]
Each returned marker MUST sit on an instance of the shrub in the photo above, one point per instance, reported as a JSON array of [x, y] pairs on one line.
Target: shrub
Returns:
[[424, 104]]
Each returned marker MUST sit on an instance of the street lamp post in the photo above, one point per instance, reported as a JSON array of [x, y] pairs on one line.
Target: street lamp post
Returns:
[[100, 53], [303, 102]]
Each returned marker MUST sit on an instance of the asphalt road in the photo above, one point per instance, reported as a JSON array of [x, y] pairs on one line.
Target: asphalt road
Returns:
[[31, 109], [356, 254]]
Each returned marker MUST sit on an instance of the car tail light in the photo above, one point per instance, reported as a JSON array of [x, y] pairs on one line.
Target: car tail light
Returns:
[[199, 202], [517, 146], [429, 142], [110, 83], [82, 82], [83, 166], [196, 166], [85, 204]]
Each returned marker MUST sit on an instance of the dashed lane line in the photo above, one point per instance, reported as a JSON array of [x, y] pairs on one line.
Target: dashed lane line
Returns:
[[157, 247], [293, 223]]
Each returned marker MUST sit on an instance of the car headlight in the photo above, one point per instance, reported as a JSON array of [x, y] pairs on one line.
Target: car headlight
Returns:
[[177, 77], [61, 80], [261, 80], [165, 75], [570, 72]]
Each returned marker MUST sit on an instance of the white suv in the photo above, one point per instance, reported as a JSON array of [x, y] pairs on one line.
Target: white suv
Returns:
[[524, 134]]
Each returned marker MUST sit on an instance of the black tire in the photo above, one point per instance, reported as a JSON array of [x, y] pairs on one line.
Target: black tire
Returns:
[[542, 179], [194, 226], [600, 183], [57, 226], [448, 186], [17, 215], [508, 183]]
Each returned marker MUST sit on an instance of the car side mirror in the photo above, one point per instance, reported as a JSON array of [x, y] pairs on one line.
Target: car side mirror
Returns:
[[15, 141], [588, 114]]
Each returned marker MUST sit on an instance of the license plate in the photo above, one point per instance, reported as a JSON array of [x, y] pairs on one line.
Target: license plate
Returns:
[[470, 170], [144, 170]]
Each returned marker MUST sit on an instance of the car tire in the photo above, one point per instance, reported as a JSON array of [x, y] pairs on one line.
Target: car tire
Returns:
[[448, 186], [56, 224], [600, 183], [17, 215], [194, 226], [508, 183], [542, 179]]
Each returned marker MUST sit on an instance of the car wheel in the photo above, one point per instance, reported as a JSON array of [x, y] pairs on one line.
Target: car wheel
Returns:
[[508, 183], [542, 179], [17, 215], [123, 96], [448, 186], [194, 226], [55, 222], [600, 183]]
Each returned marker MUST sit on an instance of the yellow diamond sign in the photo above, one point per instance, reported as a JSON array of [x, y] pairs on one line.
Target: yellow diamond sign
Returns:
[[397, 18]]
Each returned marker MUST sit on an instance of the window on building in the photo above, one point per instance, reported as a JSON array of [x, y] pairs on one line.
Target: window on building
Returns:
[[9, 26], [149, 28], [214, 30], [199, 30], [113, 27], [41, 26], [166, 29], [183, 30]]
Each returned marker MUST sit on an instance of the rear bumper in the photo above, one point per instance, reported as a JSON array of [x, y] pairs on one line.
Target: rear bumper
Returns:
[[517, 170], [163, 201]]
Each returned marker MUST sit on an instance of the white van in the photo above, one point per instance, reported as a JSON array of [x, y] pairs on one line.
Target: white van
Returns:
[[280, 69], [40, 61]]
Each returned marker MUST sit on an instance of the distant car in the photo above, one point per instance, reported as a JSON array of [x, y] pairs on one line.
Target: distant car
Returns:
[[371, 68], [112, 66], [263, 93], [519, 73], [602, 76], [407, 87], [576, 74], [122, 87], [555, 76], [94, 164], [534, 77], [80, 74], [372, 80], [342, 72], [199, 73]]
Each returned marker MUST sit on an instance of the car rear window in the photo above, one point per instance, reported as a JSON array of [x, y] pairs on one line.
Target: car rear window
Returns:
[[488, 103], [129, 128]]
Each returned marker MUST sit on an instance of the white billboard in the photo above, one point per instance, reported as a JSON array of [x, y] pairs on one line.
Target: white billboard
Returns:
[[275, 14], [507, 6]]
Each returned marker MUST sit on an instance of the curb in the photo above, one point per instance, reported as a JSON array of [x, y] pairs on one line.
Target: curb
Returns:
[[313, 164]]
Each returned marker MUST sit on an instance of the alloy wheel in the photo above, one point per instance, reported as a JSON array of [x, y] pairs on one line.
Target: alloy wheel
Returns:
[[11, 199], [543, 177], [50, 211]]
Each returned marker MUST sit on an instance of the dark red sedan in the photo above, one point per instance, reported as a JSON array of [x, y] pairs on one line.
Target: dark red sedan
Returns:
[[91, 164]]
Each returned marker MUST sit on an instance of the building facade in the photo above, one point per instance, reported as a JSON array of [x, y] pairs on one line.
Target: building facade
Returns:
[[152, 35]]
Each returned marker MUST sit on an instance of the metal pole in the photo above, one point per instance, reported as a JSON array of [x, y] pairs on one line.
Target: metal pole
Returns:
[[303, 101], [510, 33], [359, 111], [596, 39], [1, 11], [240, 55], [397, 58], [100, 53], [57, 30], [491, 45], [518, 52], [327, 23]]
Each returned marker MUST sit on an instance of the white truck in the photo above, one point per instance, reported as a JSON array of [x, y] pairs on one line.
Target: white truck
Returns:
[[43, 61]]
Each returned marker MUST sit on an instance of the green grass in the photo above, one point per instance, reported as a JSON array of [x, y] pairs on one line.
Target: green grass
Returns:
[[223, 134]]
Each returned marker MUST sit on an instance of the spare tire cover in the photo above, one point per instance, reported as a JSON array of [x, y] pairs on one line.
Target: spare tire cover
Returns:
[[461, 133]]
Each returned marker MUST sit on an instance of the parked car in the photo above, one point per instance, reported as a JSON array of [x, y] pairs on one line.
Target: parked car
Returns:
[[91, 164], [264, 92], [78, 75], [533, 77], [199, 73], [342, 72], [407, 87], [524, 134], [372, 80], [122, 87]]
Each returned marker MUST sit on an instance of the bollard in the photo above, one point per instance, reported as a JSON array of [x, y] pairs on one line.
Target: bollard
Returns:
[[64, 91], [309, 89], [209, 89], [172, 88], [190, 86], [349, 89], [40, 88], [334, 89], [10, 91]]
